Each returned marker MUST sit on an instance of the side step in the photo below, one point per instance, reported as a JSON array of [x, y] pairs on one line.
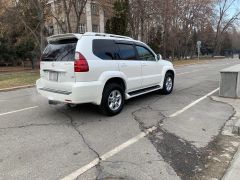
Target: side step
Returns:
[[143, 91]]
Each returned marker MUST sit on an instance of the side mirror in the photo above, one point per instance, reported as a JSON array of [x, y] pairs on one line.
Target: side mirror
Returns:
[[159, 57]]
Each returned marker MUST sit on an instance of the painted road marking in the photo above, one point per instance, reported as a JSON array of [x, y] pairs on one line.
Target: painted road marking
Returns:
[[178, 74], [193, 104], [131, 141], [109, 154], [19, 110]]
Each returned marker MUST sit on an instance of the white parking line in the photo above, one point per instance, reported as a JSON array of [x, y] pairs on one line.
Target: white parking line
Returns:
[[109, 154], [178, 74], [131, 141], [193, 104], [19, 110]]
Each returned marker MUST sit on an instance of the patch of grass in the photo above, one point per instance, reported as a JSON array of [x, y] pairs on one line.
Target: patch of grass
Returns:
[[8, 80], [187, 62]]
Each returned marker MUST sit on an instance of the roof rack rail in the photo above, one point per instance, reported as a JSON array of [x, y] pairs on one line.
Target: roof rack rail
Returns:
[[106, 35]]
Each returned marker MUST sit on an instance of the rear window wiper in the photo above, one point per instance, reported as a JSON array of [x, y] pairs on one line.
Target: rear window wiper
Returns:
[[48, 59]]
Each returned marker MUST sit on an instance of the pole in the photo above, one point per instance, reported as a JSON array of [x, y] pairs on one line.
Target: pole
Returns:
[[199, 48]]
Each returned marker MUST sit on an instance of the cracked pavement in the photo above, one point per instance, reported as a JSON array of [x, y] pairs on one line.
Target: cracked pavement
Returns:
[[50, 142]]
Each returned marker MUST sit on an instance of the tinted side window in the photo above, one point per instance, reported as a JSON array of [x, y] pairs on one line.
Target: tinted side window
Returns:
[[145, 54], [60, 51], [104, 49], [127, 52]]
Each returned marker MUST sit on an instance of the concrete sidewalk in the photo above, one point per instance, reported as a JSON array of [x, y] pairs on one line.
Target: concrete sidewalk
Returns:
[[233, 171]]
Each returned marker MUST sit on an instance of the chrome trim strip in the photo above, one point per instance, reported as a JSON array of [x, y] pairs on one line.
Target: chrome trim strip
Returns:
[[56, 91]]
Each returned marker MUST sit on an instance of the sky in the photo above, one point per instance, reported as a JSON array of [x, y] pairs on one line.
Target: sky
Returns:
[[235, 7]]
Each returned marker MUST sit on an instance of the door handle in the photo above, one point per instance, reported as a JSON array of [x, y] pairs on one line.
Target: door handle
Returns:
[[123, 65], [144, 64]]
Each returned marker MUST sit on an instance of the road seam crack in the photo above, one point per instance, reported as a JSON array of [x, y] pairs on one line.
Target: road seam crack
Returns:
[[98, 166]]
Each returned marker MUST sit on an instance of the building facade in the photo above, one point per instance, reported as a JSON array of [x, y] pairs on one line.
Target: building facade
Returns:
[[93, 18]]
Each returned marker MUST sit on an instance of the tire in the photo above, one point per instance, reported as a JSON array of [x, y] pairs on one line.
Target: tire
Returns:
[[168, 84], [112, 99], [69, 105]]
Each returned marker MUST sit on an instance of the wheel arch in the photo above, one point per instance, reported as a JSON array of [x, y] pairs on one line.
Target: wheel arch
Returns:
[[165, 71], [111, 83], [117, 80], [171, 72]]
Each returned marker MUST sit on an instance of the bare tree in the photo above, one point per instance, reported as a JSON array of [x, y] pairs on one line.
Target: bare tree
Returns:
[[66, 9], [36, 30], [178, 20], [224, 19]]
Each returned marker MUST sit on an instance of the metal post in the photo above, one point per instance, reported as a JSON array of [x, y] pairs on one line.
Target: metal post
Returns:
[[199, 48]]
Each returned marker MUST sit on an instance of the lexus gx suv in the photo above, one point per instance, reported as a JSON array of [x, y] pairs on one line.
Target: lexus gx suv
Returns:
[[103, 69]]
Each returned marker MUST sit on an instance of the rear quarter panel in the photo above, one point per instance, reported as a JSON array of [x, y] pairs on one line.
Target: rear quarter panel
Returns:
[[97, 66]]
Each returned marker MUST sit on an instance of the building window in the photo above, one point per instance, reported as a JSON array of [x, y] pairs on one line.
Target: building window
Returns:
[[50, 30], [59, 30], [82, 28], [94, 9], [95, 28], [80, 7]]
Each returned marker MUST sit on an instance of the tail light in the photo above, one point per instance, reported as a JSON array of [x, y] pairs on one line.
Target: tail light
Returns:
[[80, 64]]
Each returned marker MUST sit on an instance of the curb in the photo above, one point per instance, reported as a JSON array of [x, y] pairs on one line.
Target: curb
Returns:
[[17, 70], [200, 62], [232, 171], [182, 65], [16, 88]]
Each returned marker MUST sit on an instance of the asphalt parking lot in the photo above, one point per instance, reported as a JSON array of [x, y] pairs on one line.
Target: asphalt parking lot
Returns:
[[155, 137]]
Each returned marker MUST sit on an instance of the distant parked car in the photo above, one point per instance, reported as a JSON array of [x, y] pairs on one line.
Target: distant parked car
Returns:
[[102, 69]]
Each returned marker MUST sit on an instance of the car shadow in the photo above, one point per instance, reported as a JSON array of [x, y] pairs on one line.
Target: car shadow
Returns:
[[91, 110]]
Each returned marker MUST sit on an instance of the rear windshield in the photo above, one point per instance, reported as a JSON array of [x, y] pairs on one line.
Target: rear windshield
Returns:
[[60, 51]]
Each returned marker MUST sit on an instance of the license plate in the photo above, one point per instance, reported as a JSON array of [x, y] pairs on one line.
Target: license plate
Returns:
[[53, 76]]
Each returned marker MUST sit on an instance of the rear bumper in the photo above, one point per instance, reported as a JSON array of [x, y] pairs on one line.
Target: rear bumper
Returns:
[[77, 93]]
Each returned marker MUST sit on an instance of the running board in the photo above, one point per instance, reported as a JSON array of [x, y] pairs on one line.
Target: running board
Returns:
[[143, 91]]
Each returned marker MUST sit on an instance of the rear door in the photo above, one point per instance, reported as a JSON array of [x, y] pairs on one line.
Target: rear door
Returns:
[[57, 63], [129, 65]]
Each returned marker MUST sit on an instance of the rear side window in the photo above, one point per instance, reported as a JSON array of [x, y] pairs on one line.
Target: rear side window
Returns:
[[127, 52], [60, 51], [104, 49]]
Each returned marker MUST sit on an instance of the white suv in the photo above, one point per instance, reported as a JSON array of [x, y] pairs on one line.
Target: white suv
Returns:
[[102, 69]]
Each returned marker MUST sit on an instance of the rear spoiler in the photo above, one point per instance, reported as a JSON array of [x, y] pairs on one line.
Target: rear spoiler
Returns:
[[63, 37]]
